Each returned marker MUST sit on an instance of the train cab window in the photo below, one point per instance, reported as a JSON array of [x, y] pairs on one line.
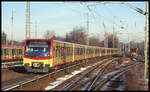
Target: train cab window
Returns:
[[38, 48]]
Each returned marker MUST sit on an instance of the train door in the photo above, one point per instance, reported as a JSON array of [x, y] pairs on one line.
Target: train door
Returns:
[[17, 53], [6, 53], [14, 52], [64, 53], [20, 53], [2, 53]]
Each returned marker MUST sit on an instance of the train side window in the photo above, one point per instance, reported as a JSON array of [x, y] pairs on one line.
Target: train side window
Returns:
[[20, 51], [71, 50], [87, 50], [68, 51], [5, 51], [57, 51], [103, 51], [81, 51], [62, 51], [13, 52], [2, 51], [77, 51]]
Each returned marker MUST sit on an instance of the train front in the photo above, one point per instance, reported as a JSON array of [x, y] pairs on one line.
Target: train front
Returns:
[[134, 52], [37, 55]]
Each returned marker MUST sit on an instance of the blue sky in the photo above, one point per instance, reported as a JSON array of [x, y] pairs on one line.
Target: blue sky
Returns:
[[62, 17]]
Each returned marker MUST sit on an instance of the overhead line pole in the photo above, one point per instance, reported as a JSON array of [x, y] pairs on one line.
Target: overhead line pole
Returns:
[[146, 41], [146, 33], [113, 35], [87, 32], [12, 29], [27, 20], [35, 29], [106, 36]]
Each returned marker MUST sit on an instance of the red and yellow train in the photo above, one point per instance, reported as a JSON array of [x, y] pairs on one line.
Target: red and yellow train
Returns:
[[42, 55], [134, 52]]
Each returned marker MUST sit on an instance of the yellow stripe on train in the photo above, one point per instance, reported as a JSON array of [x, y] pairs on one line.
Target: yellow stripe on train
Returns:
[[30, 61]]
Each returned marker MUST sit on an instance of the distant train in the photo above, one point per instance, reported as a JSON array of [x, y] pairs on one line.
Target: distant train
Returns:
[[11, 53], [42, 55], [134, 52]]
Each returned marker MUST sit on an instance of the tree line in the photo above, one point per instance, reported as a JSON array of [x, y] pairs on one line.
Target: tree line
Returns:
[[78, 35]]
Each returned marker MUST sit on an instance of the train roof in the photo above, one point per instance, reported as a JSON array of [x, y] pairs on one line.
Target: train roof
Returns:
[[12, 46], [72, 43], [78, 44]]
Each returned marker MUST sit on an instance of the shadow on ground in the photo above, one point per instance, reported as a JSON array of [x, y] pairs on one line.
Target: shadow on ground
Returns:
[[19, 69]]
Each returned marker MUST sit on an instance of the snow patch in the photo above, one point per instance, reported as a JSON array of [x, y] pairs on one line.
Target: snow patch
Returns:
[[62, 79]]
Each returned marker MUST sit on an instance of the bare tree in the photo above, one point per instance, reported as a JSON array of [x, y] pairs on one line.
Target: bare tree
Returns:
[[76, 36], [49, 34], [110, 41], [94, 40]]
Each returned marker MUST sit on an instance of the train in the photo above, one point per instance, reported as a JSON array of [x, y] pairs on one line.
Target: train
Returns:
[[11, 53], [134, 52], [43, 55]]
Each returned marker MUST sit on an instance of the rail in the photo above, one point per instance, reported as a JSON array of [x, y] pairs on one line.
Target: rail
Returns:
[[11, 64], [37, 78], [74, 83], [112, 75]]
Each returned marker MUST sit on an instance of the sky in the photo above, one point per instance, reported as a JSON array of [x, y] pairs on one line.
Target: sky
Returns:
[[62, 17]]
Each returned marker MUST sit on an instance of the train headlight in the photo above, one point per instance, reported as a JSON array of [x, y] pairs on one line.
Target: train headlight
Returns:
[[46, 55]]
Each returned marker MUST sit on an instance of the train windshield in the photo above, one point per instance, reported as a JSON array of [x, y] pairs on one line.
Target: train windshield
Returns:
[[37, 48], [133, 49]]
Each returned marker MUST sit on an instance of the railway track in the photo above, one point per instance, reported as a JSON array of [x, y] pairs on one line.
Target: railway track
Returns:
[[112, 76], [88, 77], [19, 84], [94, 81], [6, 65]]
